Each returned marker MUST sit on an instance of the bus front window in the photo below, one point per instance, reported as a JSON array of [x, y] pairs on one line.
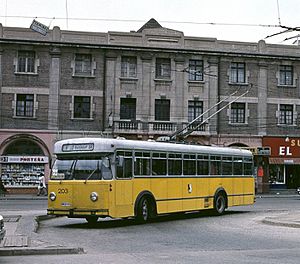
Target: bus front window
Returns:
[[62, 170], [82, 169]]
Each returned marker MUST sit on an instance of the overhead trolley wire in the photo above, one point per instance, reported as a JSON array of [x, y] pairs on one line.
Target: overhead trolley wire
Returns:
[[144, 21]]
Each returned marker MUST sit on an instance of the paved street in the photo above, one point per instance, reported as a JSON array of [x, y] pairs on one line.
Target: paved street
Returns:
[[240, 236]]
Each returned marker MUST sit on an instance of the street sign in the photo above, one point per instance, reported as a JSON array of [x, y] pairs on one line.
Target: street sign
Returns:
[[39, 27]]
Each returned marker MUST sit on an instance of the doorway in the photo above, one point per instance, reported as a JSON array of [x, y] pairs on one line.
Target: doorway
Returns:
[[292, 173]]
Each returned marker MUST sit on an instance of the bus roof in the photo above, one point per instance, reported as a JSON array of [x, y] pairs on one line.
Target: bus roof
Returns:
[[109, 145]]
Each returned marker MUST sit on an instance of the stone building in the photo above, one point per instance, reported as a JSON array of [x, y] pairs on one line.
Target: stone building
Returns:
[[142, 85]]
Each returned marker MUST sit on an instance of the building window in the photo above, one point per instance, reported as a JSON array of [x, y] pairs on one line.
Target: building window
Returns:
[[82, 107], [162, 109], [26, 60], [25, 105], [163, 68], [195, 109], [238, 113], [83, 64], [237, 72], [286, 75], [128, 108], [286, 114], [128, 67], [195, 70]]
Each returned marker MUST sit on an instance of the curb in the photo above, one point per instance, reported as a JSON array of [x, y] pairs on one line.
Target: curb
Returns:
[[267, 196], [273, 221], [39, 218], [39, 251], [14, 198]]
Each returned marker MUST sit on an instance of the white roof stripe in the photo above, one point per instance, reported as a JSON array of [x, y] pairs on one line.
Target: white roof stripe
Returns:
[[109, 145]]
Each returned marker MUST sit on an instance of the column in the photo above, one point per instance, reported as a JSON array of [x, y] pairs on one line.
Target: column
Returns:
[[145, 106], [109, 95], [213, 93], [54, 88], [179, 97], [262, 88]]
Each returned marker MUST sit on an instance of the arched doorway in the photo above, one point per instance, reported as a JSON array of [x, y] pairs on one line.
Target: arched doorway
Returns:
[[23, 147], [23, 160]]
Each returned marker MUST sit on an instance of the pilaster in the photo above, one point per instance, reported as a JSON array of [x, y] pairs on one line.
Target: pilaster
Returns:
[[54, 88]]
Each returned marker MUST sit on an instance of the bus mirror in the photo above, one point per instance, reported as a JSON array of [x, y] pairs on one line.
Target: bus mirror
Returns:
[[120, 161]]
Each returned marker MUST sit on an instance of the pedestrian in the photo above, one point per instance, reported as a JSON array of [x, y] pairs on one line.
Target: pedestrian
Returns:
[[42, 185], [2, 188]]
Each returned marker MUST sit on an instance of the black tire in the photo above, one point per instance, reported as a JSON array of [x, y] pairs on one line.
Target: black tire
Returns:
[[143, 210], [219, 204], [92, 219]]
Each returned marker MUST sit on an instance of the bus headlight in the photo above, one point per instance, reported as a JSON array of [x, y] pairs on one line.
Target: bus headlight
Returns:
[[94, 196], [52, 196]]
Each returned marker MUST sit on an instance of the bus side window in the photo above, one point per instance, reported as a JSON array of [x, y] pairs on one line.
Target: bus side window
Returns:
[[128, 167], [175, 164], [124, 164], [238, 166], [159, 163], [142, 163], [215, 165], [202, 165], [227, 165], [248, 170], [189, 164]]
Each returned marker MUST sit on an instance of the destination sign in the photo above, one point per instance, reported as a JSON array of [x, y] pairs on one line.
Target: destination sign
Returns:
[[77, 147]]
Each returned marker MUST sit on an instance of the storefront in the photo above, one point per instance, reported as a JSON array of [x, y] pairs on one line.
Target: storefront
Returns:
[[22, 171], [284, 162], [23, 159]]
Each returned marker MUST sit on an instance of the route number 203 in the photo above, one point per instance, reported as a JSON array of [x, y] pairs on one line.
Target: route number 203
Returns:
[[63, 191]]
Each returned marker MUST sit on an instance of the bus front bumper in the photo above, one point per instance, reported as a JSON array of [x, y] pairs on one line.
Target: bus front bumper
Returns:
[[78, 212]]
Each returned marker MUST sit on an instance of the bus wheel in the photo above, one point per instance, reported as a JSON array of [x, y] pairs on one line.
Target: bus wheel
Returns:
[[143, 210], [92, 219], [219, 204]]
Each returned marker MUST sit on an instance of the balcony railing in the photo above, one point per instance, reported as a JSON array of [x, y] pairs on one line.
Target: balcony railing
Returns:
[[127, 126], [130, 125], [154, 127], [195, 128]]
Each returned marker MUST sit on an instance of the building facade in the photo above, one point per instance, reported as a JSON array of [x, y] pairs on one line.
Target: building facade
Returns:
[[141, 85]]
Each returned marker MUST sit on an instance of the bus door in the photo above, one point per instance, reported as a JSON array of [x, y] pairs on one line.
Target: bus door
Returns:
[[124, 183]]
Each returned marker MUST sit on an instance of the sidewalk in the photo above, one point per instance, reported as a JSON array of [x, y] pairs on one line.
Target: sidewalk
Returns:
[[21, 232], [21, 228]]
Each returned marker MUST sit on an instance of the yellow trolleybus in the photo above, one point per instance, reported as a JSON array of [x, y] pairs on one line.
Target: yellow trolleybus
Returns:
[[97, 177]]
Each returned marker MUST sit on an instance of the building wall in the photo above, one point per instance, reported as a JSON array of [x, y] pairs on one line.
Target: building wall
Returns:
[[54, 85]]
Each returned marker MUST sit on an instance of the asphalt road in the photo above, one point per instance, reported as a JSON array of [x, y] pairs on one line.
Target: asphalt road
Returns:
[[239, 236]]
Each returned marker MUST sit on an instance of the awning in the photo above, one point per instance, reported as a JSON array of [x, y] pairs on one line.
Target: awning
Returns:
[[287, 161]]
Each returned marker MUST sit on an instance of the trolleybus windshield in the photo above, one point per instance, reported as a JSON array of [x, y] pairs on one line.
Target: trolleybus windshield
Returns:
[[82, 169]]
